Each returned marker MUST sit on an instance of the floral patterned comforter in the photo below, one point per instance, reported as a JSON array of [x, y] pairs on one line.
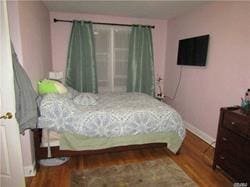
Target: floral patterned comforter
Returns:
[[114, 115]]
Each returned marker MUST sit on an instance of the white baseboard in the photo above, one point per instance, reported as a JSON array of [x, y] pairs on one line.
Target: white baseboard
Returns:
[[204, 136], [30, 171]]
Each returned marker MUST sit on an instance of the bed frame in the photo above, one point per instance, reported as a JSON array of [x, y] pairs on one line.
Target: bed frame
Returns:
[[42, 152]]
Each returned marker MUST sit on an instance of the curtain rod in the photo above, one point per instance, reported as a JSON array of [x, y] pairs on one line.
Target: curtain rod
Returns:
[[99, 23]]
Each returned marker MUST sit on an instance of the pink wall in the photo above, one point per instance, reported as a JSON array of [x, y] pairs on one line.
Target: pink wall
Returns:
[[14, 25], [30, 34], [225, 78], [36, 41], [60, 33]]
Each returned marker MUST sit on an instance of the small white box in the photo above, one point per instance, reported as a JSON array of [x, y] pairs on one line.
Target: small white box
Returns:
[[56, 75]]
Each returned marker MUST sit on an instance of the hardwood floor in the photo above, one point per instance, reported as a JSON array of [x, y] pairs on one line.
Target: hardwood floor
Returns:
[[191, 159]]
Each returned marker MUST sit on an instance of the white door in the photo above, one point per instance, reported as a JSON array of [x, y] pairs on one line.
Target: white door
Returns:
[[11, 164]]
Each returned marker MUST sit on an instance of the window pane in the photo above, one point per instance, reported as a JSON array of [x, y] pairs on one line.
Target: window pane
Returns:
[[121, 68], [102, 48], [120, 83], [102, 38], [104, 55], [102, 68], [121, 38], [121, 54]]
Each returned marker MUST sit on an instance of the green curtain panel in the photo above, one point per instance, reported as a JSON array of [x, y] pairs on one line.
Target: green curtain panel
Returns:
[[81, 65], [141, 61]]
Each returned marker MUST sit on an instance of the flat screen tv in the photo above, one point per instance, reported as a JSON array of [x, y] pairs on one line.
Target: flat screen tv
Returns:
[[193, 51]]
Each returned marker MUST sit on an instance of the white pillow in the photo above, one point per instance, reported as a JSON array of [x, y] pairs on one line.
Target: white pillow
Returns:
[[86, 99]]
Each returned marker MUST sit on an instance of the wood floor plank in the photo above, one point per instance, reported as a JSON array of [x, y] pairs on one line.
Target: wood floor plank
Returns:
[[191, 159]]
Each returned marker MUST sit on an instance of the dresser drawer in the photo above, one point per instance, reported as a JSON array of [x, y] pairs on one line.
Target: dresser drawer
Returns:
[[231, 166], [245, 156], [228, 143], [236, 124]]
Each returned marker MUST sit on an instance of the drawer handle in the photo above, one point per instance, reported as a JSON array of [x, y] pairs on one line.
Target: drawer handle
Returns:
[[233, 123], [224, 139], [222, 157]]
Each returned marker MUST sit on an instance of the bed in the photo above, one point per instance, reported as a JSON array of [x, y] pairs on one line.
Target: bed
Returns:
[[105, 122]]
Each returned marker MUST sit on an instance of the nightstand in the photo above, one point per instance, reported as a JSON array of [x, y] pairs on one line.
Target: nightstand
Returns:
[[232, 152]]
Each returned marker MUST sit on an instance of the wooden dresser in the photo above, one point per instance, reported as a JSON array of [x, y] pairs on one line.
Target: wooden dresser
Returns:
[[232, 152]]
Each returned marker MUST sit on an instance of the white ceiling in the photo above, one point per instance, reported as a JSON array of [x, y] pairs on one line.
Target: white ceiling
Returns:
[[139, 9]]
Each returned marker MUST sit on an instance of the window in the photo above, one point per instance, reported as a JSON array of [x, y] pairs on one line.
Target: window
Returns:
[[111, 57]]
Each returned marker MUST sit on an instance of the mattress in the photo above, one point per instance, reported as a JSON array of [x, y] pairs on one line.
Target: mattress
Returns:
[[73, 142]]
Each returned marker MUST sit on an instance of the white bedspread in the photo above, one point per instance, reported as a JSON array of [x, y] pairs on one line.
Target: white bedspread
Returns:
[[114, 115]]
